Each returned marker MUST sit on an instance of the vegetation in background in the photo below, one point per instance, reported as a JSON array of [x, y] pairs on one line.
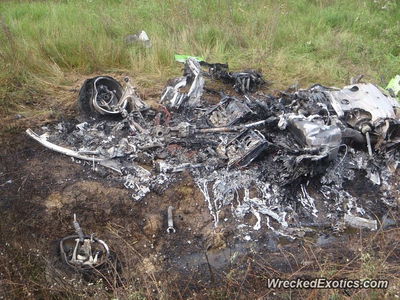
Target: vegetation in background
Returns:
[[47, 49], [304, 41]]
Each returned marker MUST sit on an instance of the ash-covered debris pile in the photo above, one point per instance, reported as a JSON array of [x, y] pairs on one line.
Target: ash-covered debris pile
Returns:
[[291, 160]]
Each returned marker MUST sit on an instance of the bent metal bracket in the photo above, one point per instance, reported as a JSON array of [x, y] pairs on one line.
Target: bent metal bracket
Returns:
[[285, 158]]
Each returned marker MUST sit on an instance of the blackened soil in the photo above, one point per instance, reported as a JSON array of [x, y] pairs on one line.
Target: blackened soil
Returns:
[[41, 190]]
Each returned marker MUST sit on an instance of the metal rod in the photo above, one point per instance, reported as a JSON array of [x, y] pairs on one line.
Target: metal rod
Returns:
[[170, 228], [369, 144], [78, 229]]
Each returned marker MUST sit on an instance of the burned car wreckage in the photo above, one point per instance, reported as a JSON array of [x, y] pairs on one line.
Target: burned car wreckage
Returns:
[[268, 155], [83, 251]]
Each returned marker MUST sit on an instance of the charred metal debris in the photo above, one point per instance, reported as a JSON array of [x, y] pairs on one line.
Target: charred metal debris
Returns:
[[83, 252], [287, 158]]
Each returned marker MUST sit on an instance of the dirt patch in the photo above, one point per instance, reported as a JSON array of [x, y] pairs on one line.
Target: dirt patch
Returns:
[[41, 190]]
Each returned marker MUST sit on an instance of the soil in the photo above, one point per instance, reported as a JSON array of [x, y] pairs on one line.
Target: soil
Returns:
[[41, 190]]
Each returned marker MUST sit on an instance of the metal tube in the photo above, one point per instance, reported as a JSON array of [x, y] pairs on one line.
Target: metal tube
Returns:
[[170, 228], [369, 144], [60, 149], [78, 229]]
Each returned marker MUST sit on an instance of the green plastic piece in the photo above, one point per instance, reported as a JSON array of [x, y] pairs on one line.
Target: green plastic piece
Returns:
[[394, 85], [182, 57]]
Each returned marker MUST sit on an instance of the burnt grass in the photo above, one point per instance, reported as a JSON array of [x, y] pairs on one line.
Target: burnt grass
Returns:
[[40, 191]]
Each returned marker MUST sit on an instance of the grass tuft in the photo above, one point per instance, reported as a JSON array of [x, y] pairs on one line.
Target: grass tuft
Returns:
[[43, 42]]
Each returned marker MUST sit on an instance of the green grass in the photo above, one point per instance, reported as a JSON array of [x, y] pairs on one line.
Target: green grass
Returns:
[[292, 41], [317, 41]]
